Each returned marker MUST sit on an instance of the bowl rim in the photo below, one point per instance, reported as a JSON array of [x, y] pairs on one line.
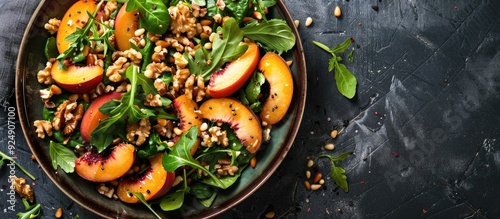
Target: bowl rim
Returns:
[[229, 203]]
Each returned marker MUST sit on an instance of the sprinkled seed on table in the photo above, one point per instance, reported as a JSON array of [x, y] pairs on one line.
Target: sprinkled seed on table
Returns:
[[253, 162], [310, 163], [270, 214], [58, 213], [337, 12], [307, 184], [317, 177], [308, 174], [329, 146], [334, 133], [296, 22], [309, 21], [321, 181], [315, 187]]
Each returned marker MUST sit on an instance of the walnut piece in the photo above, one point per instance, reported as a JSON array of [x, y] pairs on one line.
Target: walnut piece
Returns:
[[24, 190], [214, 135], [152, 100], [155, 69], [72, 117], [43, 76], [52, 25], [183, 21], [42, 127], [115, 71], [139, 131]]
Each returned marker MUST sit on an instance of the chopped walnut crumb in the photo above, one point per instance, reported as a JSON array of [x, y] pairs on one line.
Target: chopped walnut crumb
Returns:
[[160, 86], [139, 131], [44, 76], [105, 190], [72, 117], [115, 71], [155, 69], [214, 135], [24, 190], [52, 25], [152, 100], [183, 21], [42, 127]]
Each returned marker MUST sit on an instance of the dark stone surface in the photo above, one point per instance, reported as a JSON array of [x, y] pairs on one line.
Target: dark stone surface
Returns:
[[423, 125]]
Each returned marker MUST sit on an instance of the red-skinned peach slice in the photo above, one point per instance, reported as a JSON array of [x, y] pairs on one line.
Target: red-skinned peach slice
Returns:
[[75, 17], [228, 80], [242, 120], [77, 79], [126, 23], [280, 80], [152, 183], [189, 116], [104, 167], [93, 116]]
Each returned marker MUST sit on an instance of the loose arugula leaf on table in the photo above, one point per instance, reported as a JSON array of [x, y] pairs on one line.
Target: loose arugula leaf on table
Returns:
[[32, 211], [62, 156], [338, 173], [125, 112], [153, 15], [143, 200], [345, 80], [223, 50], [7, 157], [180, 156], [272, 34]]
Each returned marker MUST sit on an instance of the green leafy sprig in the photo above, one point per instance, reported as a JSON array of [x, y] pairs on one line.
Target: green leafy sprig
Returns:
[[272, 34], [338, 173], [345, 80], [32, 211], [153, 15], [62, 156], [7, 157]]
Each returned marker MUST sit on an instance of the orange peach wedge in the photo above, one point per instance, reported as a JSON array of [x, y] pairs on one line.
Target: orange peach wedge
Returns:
[[189, 116], [242, 120], [75, 17], [77, 79], [280, 80], [93, 116], [106, 166], [126, 23], [152, 183], [228, 80]]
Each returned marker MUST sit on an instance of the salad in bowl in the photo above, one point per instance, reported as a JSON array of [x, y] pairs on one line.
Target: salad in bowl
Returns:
[[165, 103]]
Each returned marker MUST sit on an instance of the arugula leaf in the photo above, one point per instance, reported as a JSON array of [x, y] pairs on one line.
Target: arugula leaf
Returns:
[[272, 34], [7, 157], [62, 156], [140, 196], [346, 82], [172, 201], [226, 49], [32, 211], [153, 15], [180, 156], [338, 173], [127, 111]]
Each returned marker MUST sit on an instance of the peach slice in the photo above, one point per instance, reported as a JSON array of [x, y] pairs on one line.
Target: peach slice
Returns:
[[126, 23], [187, 112], [152, 183], [77, 79], [93, 116], [280, 80], [104, 167], [75, 17], [242, 120], [228, 80]]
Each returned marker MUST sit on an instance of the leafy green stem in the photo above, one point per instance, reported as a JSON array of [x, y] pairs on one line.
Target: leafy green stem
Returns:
[[7, 157], [338, 173], [32, 211]]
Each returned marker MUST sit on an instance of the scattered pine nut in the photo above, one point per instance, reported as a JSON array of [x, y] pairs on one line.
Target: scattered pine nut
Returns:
[[253, 162], [310, 163], [307, 184], [270, 214], [33, 157], [289, 63], [321, 181], [257, 15], [308, 174], [58, 213], [329, 146], [334, 133], [296, 22], [337, 12], [139, 32], [317, 177], [309, 21], [315, 187]]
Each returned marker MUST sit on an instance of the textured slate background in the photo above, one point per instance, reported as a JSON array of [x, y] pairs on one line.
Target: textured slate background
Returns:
[[423, 125]]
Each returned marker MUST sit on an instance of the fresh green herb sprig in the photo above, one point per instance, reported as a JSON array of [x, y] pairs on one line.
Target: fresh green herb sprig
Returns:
[[338, 173], [32, 211], [62, 156], [140, 196], [345, 80], [7, 157], [272, 35]]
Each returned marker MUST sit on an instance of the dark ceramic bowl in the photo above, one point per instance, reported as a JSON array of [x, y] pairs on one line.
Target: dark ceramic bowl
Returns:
[[31, 59]]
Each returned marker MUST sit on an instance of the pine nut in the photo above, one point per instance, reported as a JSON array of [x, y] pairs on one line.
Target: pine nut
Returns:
[[308, 174], [321, 181], [270, 214], [257, 15], [208, 45], [177, 131], [55, 89], [334, 133], [205, 22], [307, 184], [139, 32], [296, 22], [317, 177], [310, 163], [162, 122], [204, 126], [289, 63], [329, 146], [253, 162], [309, 21], [337, 12], [315, 187], [58, 213]]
